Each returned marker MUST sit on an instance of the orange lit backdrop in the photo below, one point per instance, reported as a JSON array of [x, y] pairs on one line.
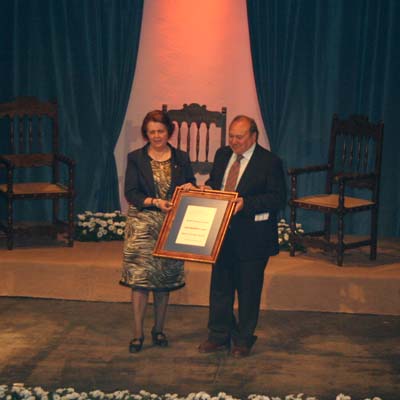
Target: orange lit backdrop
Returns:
[[190, 51]]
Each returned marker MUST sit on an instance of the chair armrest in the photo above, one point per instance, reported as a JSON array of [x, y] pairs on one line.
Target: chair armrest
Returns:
[[356, 180], [8, 164], [64, 159], [10, 173], [306, 170], [71, 169], [363, 180], [351, 177], [294, 172]]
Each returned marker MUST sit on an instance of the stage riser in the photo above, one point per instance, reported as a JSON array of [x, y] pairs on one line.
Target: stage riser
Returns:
[[90, 272]]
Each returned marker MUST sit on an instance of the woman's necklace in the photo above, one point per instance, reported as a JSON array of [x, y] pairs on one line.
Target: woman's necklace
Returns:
[[160, 155]]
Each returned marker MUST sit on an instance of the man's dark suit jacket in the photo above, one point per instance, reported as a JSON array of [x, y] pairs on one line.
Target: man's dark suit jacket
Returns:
[[139, 182], [263, 189]]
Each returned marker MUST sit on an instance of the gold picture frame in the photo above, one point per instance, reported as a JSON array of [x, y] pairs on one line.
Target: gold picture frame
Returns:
[[195, 227]]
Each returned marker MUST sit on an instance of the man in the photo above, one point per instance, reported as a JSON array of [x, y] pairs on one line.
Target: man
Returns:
[[251, 238]]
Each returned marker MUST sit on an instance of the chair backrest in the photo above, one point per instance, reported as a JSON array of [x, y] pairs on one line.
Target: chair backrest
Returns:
[[356, 148], [198, 125], [29, 130]]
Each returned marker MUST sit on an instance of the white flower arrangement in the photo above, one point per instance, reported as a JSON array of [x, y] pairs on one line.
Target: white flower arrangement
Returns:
[[284, 235], [19, 392], [99, 226], [95, 227]]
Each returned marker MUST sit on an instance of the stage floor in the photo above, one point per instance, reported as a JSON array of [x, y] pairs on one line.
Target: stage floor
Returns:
[[307, 282], [56, 343]]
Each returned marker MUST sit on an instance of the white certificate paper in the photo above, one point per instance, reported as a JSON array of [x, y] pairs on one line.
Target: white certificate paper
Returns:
[[196, 225]]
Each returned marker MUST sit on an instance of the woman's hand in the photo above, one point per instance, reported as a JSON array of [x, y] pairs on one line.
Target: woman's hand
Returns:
[[163, 205]]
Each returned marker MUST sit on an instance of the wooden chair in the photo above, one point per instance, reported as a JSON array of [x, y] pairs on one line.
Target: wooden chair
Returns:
[[354, 162], [29, 138], [205, 123]]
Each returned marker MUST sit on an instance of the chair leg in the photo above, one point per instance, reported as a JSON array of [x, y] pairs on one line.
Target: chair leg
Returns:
[[374, 234], [55, 230], [340, 244], [55, 210], [327, 227], [10, 225], [292, 240], [70, 222]]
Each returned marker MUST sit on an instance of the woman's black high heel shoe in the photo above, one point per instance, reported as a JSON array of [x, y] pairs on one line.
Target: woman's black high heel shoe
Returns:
[[136, 344], [159, 338]]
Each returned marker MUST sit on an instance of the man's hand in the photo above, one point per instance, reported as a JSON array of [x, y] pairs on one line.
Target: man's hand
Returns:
[[204, 187], [239, 205]]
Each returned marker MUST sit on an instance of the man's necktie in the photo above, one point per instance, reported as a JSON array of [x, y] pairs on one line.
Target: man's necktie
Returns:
[[233, 174]]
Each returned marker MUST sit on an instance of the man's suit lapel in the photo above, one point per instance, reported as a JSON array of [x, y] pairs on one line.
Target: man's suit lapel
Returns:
[[222, 167]]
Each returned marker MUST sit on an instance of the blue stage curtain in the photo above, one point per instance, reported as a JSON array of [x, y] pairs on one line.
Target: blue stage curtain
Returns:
[[82, 53], [315, 58]]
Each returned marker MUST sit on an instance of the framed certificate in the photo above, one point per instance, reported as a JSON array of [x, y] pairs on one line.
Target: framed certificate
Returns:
[[195, 227]]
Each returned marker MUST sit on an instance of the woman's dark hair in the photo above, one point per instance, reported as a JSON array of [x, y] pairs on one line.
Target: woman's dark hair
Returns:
[[157, 116]]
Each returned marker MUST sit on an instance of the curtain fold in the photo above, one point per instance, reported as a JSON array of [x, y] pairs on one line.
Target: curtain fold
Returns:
[[82, 53], [314, 58]]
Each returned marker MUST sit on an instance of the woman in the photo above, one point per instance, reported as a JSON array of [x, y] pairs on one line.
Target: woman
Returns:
[[152, 174]]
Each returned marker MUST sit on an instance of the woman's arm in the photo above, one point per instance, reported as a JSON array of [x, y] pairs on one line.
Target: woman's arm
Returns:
[[135, 194]]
